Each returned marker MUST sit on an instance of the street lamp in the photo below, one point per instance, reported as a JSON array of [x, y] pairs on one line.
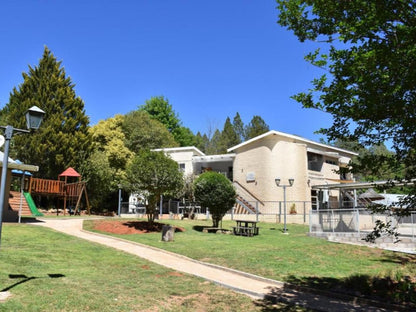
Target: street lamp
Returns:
[[119, 200], [291, 181], [34, 116]]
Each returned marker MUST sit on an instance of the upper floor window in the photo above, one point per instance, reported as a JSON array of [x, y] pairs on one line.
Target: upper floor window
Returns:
[[315, 161], [331, 162]]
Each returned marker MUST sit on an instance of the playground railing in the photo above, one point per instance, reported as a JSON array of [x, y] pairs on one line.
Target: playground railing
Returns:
[[45, 186]]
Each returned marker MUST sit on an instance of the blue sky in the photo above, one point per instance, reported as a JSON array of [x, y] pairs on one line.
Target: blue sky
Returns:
[[210, 59]]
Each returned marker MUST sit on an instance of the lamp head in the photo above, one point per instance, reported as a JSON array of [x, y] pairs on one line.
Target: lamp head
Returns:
[[277, 181], [34, 116], [291, 181]]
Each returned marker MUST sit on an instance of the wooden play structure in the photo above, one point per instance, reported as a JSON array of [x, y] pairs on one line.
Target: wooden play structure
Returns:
[[68, 187]]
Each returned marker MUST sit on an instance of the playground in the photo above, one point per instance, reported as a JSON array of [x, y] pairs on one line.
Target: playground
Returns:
[[68, 192]]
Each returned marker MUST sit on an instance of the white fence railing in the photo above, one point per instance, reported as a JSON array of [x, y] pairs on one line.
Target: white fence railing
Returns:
[[357, 221]]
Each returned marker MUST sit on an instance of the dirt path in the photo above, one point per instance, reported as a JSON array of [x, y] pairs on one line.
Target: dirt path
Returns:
[[254, 286]]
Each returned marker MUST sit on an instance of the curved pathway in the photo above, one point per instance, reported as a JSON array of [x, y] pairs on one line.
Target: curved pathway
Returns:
[[252, 285]]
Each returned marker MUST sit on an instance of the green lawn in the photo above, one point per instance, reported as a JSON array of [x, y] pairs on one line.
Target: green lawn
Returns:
[[48, 271], [294, 258]]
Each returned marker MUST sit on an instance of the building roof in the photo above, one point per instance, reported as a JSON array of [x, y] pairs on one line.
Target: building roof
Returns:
[[295, 139], [12, 164], [70, 172], [193, 149]]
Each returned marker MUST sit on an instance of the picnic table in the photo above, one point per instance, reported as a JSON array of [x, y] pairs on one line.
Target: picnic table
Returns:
[[246, 228]]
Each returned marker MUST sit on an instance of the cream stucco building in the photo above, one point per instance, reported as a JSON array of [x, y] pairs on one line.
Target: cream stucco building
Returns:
[[254, 165]]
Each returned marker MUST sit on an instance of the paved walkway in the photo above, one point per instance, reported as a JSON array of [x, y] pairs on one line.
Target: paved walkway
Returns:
[[254, 286]]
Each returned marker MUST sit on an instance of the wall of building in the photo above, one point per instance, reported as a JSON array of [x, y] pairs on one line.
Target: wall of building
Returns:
[[183, 157], [258, 164]]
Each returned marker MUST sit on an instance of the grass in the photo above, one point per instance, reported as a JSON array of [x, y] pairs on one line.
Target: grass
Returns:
[[294, 258], [48, 271]]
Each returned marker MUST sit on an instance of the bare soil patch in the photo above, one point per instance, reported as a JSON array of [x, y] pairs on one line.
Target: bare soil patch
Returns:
[[130, 227]]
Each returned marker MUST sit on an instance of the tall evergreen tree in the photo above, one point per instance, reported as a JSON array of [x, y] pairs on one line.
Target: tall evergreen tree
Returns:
[[228, 137], [257, 126], [214, 144], [63, 138], [239, 127]]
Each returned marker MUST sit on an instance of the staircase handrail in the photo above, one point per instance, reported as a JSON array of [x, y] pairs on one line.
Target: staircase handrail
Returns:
[[250, 193], [242, 204]]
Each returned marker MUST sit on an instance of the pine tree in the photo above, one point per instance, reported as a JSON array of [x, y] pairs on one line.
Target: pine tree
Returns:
[[63, 139], [229, 137], [238, 127], [257, 126]]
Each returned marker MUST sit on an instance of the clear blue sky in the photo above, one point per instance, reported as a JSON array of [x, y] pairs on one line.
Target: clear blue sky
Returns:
[[210, 59]]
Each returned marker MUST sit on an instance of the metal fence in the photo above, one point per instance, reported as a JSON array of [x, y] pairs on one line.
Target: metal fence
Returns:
[[269, 211], [357, 221]]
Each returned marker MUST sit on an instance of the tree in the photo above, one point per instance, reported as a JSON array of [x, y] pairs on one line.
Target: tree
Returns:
[[184, 136], [214, 144], [143, 132], [154, 174], [201, 142], [105, 169], [99, 176], [238, 126], [370, 84], [228, 138], [109, 138], [214, 191], [63, 139], [160, 109], [257, 126]]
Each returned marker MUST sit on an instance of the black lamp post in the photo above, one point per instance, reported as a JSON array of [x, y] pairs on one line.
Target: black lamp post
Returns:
[[291, 181], [34, 116]]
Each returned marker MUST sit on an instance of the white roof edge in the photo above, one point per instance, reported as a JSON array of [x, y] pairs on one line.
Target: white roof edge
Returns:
[[290, 136], [229, 155], [179, 149]]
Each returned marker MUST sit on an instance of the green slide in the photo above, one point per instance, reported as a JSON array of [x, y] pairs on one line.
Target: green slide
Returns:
[[32, 205]]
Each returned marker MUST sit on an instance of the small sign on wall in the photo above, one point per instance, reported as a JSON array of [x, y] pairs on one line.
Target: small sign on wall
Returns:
[[250, 177]]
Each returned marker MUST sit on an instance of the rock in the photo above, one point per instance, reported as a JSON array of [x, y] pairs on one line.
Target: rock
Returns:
[[168, 233]]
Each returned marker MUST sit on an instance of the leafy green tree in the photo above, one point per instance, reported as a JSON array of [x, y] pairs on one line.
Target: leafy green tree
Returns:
[[105, 169], [63, 139], [257, 126], [160, 109], [368, 53], [184, 136], [214, 191], [99, 176], [108, 137], [143, 132], [154, 174]]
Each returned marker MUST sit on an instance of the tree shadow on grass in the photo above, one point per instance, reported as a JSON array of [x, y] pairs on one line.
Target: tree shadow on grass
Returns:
[[398, 258], [149, 227], [23, 279], [329, 294], [384, 289]]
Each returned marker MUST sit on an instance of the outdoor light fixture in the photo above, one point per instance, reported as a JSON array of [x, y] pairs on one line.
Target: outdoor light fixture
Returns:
[[34, 116], [291, 181]]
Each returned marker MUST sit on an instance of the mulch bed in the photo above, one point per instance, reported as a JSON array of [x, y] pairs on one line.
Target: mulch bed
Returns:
[[130, 227]]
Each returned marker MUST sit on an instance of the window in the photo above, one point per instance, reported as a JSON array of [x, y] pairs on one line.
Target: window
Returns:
[[182, 167], [315, 162], [331, 162]]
